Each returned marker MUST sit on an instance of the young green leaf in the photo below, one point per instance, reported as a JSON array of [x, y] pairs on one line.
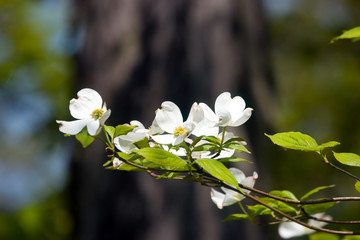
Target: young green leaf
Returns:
[[324, 236], [283, 207], [237, 146], [257, 210], [350, 159], [328, 145], [218, 170], [315, 190], [294, 140], [233, 159], [284, 194], [318, 208], [123, 130], [84, 138], [162, 158], [353, 33], [110, 131], [143, 143], [357, 186], [236, 217]]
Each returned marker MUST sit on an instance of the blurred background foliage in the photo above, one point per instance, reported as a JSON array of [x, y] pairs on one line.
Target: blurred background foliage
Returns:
[[317, 86]]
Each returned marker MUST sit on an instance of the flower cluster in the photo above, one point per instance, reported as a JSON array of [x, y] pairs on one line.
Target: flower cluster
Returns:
[[170, 132], [197, 149]]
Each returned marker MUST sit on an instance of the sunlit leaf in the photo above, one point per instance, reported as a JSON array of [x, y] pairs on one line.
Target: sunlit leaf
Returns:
[[162, 158], [279, 205], [257, 210], [350, 159], [236, 217], [357, 186], [233, 159], [294, 140], [237, 146], [353, 33], [109, 130], [218, 170], [323, 236], [328, 145], [284, 194], [143, 143], [315, 190], [123, 130], [84, 138], [318, 208]]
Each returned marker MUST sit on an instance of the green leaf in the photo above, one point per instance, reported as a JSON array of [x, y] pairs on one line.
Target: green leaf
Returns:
[[315, 190], [206, 147], [328, 145], [257, 210], [84, 138], [218, 170], [236, 217], [162, 158], [110, 131], [318, 208], [283, 207], [353, 33], [294, 140], [323, 236], [236, 139], [351, 238], [237, 146], [233, 159], [108, 163], [123, 130], [212, 139], [350, 159], [284, 194], [143, 143], [357, 186]]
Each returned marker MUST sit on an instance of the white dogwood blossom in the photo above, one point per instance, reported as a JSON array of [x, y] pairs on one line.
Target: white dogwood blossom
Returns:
[[230, 197], [125, 142], [228, 111], [293, 229], [90, 111], [170, 119]]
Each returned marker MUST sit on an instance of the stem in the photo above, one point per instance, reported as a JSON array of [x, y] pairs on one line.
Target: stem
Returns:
[[287, 200], [288, 216], [338, 168]]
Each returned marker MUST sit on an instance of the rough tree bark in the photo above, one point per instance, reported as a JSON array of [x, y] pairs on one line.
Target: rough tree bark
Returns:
[[138, 53]]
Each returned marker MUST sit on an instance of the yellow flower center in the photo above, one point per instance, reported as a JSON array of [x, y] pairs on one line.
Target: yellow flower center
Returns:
[[179, 131], [97, 113]]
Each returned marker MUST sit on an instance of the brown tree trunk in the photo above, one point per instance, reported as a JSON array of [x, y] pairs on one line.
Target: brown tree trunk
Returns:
[[138, 53]]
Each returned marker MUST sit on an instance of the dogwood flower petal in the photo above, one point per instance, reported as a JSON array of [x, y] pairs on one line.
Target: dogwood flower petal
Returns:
[[88, 100], [72, 127], [169, 116], [203, 126], [291, 229], [217, 197], [88, 109]]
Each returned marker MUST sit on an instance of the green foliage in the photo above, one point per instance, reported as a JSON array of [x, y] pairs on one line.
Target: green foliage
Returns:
[[279, 205], [299, 141], [123, 130], [236, 217], [284, 194], [84, 138], [318, 208], [350, 159], [323, 236], [163, 158], [357, 186], [353, 34], [257, 210], [315, 190], [218, 170]]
